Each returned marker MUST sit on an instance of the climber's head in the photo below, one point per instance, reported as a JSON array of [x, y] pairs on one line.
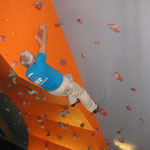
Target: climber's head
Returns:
[[27, 59]]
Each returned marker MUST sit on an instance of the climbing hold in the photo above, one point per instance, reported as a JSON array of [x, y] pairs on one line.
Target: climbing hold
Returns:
[[2, 37], [66, 111], [63, 116], [97, 43], [26, 115], [82, 125], [62, 62], [103, 112], [7, 109], [15, 124], [20, 113], [19, 121], [121, 140], [46, 147], [8, 86], [42, 126], [83, 55], [27, 128], [103, 149], [80, 20], [11, 73], [14, 63], [129, 108], [92, 134], [118, 76], [114, 27], [38, 4], [66, 98], [74, 137], [118, 132], [62, 112], [44, 98], [57, 24], [59, 138], [66, 127], [141, 119], [107, 142], [89, 148], [133, 89], [37, 98], [48, 134], [97, 129], [40, 119], [24, 103], [14, 80], [46, 117], [20, 93], [32, 92], [61, 125]]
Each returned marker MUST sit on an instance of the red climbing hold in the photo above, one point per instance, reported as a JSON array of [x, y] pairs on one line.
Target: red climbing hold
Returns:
[[2, 37], [57, 24], [141, 119], [129, 108], [97, 43], [107, 142], [121, 140], [38, 5], [80, 20], [133, 89], [118, 76], [118, 132], [62, 62], [83, 55], [114, 27], [103, 112]]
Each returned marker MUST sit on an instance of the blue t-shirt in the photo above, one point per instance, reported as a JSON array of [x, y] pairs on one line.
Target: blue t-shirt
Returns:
[[43, 75]]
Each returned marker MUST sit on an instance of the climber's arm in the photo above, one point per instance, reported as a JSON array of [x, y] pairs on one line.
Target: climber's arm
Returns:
[[42, 48], [41, 37]]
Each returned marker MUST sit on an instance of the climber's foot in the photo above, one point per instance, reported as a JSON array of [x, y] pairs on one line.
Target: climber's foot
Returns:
[[96, 110], [78, 101]]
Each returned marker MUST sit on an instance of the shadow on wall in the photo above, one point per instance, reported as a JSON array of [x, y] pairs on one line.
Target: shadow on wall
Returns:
[[15, 122]]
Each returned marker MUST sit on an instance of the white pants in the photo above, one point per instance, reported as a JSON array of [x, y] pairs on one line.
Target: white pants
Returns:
[[73, 91]]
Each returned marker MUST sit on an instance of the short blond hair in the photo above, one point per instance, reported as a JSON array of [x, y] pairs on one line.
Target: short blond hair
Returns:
[[28, 55]]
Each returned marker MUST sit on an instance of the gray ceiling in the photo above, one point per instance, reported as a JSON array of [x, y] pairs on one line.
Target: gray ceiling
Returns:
[[126, 52]]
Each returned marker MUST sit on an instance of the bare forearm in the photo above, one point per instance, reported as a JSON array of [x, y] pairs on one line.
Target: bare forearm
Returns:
[[43, 42]]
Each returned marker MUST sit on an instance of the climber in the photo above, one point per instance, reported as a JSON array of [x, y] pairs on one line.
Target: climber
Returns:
[[40, 73]]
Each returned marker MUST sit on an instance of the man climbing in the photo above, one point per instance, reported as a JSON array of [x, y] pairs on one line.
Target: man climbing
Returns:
[[40, 73]]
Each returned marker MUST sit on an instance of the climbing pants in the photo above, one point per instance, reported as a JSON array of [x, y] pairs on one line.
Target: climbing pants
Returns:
[[73, 91]]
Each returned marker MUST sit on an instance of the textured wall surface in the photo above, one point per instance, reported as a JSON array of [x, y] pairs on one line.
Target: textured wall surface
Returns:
[[100, 51]]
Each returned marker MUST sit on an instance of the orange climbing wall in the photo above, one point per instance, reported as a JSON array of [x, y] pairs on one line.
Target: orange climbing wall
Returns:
[[20, 21]]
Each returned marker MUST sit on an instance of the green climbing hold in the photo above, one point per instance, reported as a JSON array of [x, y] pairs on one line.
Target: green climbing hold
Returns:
[[59, 138], [14, 80], [32, 92], [62, 112], [61, 125], [93, 134], [82, 125], [20, 93], [66, 111], [37, 98], [48, 134], [103, 149], [8, 85], [89, 148]]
